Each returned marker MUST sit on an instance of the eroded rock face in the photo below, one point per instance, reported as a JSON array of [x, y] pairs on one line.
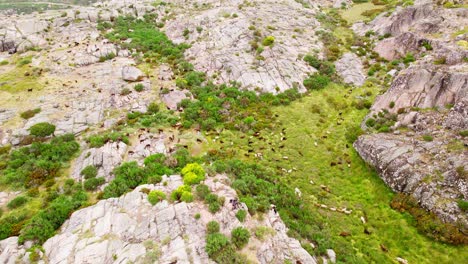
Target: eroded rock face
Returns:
[[425, 170], [130, 229], [425, 86], [105, 159], [350, 68]]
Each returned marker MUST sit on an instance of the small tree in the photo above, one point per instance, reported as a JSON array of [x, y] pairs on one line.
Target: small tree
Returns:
[[43, 129]]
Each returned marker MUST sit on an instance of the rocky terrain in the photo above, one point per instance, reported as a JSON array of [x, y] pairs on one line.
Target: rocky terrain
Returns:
[[130, 229], [61, 67], [425, 155]]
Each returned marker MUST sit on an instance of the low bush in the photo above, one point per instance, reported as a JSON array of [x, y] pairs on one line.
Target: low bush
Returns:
[[202, 191], [316, 82], [463, 133], [463, 205], [156, 196], [139, 87], [240, 237], [427, 138], [30, 113], [408, 58], [97, 141], [17, 202], [370, 122], [193, 173], [268, 41], [178, 193], [127, 176], [92, 184], [43, 129], [108, 56], [214, 202], [212, 227], [241, 215], [215, 243], [89, 172]]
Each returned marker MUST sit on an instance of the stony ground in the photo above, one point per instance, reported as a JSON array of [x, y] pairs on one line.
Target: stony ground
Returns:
[[59, 62]]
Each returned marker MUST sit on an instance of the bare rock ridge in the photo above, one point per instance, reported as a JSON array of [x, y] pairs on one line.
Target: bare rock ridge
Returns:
[[225, 45], [425, 153], [130, 229]]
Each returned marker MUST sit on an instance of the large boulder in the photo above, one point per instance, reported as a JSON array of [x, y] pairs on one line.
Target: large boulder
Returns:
[[350, 68], [132, 74]]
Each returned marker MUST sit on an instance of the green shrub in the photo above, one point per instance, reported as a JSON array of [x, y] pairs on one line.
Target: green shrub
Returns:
[[106, 57], [127, 176], [89, 172], [17, 202], [176, 195], [43, 129], [215, 243], [316, 82], [125, 91], [25, 61], [240, 237], [391, 105], [92, 184], [408, 58], [97, 141], [241, 214], [186, 197], [30, 113], [370, 122], [212, 227], [4, 62], [146, 38], [268, 41], [312, 61], [156, 196], [202, 191], [214, 202], [193, 173], [43, 225], [33, 165], [426, 44], [214, 207], [463, 205], [427, 138], [153, 108], [139, 87]]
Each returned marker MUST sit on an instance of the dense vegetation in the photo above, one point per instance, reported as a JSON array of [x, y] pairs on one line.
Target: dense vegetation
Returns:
[[33, 165], [35, 216]]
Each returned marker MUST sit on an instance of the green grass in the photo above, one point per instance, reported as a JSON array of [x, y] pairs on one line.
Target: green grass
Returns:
[[358, 187], [20, 79], [354, 14]]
